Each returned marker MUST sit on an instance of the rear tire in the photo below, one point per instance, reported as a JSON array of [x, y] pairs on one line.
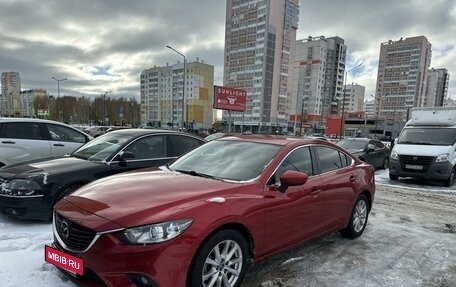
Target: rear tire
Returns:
[[222, 260], [358, 218]]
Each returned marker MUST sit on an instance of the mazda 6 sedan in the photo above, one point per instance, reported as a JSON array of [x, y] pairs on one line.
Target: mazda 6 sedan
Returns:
[[204, 219], [29, 190]]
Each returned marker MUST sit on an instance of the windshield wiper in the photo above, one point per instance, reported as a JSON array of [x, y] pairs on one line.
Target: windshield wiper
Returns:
[[194, 173], [417, 143], [78, 156]]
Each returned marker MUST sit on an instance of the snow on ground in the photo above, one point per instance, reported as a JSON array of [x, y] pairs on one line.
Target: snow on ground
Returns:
[[22, 255], [22, 243]]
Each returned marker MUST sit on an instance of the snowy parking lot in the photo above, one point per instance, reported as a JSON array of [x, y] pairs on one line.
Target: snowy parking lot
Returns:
[[410, 240]]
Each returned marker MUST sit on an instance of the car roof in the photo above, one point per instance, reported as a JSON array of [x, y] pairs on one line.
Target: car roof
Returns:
[[7, 119], [274, 139], [358, 139], [137, 132]]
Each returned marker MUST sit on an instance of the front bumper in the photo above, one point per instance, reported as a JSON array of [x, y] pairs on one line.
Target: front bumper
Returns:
[[34, 208], [435, 171], [110, 262]]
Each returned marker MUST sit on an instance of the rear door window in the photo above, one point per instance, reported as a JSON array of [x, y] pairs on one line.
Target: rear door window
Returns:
[[331, 159], [26, 131], [150, 147], [181, 144]]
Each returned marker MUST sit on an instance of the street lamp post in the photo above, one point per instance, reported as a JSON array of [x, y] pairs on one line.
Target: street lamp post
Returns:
[[377, 98], [183, 87], [376, 117], [58, 93], [58, 85], [104, 107], [343, 100]]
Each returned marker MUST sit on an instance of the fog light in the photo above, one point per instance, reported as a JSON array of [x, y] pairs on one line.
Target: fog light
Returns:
[[141, 280]]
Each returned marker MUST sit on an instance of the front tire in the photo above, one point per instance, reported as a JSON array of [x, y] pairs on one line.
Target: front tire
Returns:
[[393, 177], [66, 191], [221, 261], [358, 218], [385, 163], [450, 180]]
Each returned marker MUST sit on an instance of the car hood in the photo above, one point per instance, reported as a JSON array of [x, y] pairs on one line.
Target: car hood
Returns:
[[356, 151], [137, 198], [47, 167], [421, 150]]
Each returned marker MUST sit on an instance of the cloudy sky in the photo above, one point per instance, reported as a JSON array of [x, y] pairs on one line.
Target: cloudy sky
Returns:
[[104, 45]]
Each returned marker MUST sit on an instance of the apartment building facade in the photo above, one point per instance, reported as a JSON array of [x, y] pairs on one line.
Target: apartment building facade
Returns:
[[260, 38], [318, 79], [10, 96], [354, 98], [27, 99], [162, 93], [436, 87], [402, 74]]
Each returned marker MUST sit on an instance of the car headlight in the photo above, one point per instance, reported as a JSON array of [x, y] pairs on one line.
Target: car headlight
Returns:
[[154, 233], [443, 157], [21, 187], [393, 154]]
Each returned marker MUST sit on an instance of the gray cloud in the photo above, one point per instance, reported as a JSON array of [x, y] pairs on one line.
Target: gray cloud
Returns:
[[104, 45]]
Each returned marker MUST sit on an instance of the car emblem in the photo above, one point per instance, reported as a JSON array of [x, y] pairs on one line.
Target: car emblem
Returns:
[[64, 226], [415, 158]]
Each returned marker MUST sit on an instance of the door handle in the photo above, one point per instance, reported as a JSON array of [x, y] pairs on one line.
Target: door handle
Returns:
[[59, 144], [8, 142], [315, 191]]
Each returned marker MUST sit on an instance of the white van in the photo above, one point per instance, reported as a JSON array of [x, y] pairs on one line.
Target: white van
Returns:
[[426, 146]]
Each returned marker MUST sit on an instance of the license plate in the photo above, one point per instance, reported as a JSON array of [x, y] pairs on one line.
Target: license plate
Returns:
[[413, 166], [72, 264]]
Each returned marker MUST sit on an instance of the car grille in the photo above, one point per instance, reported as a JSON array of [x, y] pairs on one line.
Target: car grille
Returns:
[[425, 161], [74, 236]]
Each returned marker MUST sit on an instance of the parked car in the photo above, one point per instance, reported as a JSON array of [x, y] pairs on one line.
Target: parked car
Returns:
[[29, 190], [202, 220], [97, 131], [371, 151], [24, 139]]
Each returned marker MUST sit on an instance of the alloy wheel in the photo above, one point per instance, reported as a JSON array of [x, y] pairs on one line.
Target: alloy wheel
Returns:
[[360, 216], [223, 265]]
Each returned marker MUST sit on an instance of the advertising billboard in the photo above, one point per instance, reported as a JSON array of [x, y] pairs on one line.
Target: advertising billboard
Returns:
[[229, 99]]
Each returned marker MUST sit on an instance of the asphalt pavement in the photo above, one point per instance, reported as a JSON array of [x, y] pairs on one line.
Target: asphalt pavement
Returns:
[[410, 240]]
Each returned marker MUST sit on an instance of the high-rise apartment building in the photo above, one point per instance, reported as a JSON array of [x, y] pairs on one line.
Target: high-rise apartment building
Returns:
[[354, 98], [26, 103], [318, 79], [260, 37], [369, 108], [11, 88], [402, 73], [162, 90], [436, 87]]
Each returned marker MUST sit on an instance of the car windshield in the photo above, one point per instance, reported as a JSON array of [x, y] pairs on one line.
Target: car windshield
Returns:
[[352, 144], [428, 136], [103, 147], [228, 160]]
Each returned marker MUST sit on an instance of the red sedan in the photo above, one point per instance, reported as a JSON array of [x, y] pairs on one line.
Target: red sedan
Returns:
[[204, 219]]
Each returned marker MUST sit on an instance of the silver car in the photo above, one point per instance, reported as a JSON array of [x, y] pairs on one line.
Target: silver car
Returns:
[[24, 139]]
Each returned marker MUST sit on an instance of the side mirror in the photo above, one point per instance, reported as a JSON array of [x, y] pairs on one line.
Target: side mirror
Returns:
[[293, 178], [126, 155], [370, 147]]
